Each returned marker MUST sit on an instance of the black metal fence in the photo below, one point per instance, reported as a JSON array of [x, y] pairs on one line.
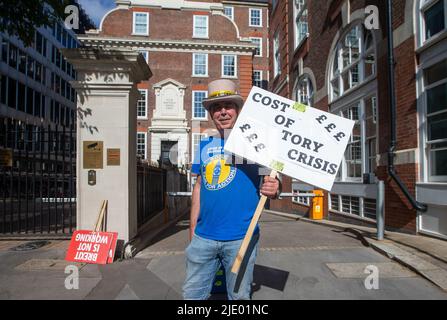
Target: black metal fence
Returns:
[[37, 179], [151, 189]]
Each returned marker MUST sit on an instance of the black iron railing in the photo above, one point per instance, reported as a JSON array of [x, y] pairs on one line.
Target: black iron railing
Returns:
[[37, 179], [151, 189]]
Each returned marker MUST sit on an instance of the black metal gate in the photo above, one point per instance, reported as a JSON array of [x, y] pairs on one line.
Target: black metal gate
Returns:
[[37, 179]]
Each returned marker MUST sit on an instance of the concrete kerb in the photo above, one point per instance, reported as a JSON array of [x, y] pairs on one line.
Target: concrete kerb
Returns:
[[429, 271]]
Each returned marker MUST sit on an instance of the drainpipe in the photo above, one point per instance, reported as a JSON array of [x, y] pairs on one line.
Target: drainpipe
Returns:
[[391, 151]]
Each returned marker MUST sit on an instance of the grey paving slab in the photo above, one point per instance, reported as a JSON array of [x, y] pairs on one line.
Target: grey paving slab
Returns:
[[127, 294], [361, 270], [38, 286]]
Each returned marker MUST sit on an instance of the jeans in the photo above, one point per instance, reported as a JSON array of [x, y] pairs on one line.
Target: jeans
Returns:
[[203, 258]]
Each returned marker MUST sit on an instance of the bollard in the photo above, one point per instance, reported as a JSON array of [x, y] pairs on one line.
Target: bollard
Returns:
[[316, 212], [380, 210]]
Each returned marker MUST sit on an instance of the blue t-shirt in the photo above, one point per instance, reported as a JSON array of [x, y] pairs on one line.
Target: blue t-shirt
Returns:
[[229, 193]]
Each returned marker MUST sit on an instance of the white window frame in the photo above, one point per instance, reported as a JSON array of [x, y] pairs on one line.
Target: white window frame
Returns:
[[260, 45], [337, 76], [427, 148], [205, 118], [310, 89], [146, 33], [232, 12], [203, 136], [260, 76], [235, 66], [362, 94], [276, 56], [250, 16], [304, 201], [424, 5], [145, 144], [194, 65], [297, 16], [146, 99], [194, 35]]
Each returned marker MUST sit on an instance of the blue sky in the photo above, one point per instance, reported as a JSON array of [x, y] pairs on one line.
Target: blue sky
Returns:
[[96, 9]]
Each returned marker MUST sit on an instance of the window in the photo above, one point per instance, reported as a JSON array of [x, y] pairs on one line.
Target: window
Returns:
[[142, 105], [369, 208], [200, 27], [258, 43], [228, 66], [13, 53], [200, 64], [359, 206], [301, 200], [229, 12], [350, 205], [21, 92], [29, 100], [5, 45], [196, 138], [141, 23], [38, 42], [22, 61], [4, 89], [277, 57], [199, 112], [301, 25], [304, 91], [141, 145], [334, 202], [257, 78], [354, 61], [353, 154], [434, 17], [255, 18], [435, 82], [370, 134], [38, 75], [12, 93], [38, 104]]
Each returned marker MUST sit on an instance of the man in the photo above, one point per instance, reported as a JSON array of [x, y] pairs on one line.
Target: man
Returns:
[[224, 200]]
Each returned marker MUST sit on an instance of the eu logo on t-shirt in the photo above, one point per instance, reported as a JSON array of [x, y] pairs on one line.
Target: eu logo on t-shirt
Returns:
[[229, 193]]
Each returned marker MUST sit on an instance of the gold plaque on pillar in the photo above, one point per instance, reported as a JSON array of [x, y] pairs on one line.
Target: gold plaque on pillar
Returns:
[[113, 157], [93, 153], [5, 158]]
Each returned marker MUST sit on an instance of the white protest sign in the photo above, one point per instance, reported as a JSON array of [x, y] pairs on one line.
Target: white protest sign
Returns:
[[299, 141]]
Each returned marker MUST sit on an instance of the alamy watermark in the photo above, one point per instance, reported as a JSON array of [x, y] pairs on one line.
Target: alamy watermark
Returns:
[[372, 280], [72, 20], [72, 280], [372, 18]]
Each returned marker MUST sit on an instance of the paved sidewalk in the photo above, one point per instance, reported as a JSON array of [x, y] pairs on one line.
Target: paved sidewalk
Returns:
[[425, 255], [297, 260]]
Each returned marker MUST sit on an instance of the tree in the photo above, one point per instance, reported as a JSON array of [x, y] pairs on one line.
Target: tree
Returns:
[[21, 17]]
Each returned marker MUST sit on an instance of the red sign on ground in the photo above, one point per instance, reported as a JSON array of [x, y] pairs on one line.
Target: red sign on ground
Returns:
[[92, 247]]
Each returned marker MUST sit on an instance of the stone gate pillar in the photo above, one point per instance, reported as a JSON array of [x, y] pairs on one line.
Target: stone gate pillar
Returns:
[[107, 95]]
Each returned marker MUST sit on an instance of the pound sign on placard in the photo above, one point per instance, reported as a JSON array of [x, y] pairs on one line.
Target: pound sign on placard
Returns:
[[252, 137], [259, 147], [245, 127]]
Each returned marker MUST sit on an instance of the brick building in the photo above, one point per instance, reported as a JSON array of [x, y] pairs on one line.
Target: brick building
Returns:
[[187, 44], [323, 55]]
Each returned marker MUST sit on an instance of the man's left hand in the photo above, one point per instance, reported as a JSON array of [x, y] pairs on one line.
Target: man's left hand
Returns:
[[270, 187]]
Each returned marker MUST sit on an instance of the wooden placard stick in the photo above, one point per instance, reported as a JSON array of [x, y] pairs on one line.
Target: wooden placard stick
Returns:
[[254, 221], [99, 222]]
